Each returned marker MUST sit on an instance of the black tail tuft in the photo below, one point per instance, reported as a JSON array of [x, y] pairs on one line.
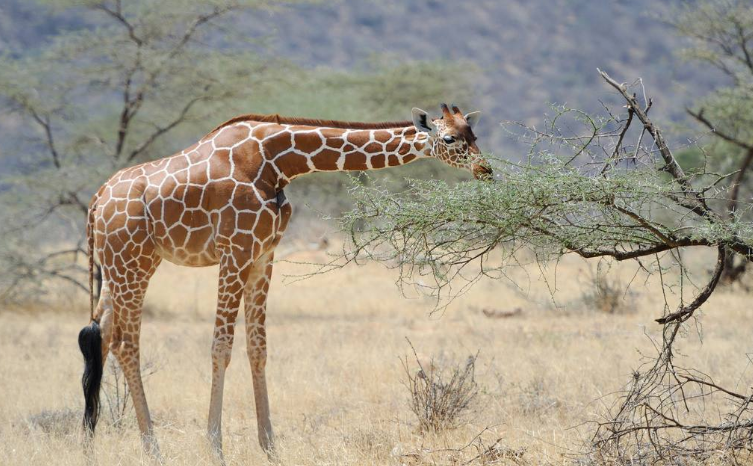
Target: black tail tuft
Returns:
[[90, 342]]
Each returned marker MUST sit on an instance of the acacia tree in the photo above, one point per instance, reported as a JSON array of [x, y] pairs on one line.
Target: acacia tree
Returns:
[[121, 86], [720, 34], [611, 188]]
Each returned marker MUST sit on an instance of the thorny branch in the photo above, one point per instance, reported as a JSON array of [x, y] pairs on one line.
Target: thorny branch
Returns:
[[696, 203], [649, 423], [685, 312]]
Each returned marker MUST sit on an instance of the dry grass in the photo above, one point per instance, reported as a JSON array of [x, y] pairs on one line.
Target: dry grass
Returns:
[[335, 373]]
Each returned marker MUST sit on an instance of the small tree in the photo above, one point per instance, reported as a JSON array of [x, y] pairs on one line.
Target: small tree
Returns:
[[720, 35], [109, 92], [608, 189]]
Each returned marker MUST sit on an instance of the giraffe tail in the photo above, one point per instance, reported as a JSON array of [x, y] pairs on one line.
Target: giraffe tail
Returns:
[[90, 343], [90, 249]]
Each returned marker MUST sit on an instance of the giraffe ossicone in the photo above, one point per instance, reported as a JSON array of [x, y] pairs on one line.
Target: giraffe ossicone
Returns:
[[221, 201]]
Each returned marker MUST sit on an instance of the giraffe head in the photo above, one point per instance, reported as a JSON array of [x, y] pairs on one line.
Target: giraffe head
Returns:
[[451, 139]]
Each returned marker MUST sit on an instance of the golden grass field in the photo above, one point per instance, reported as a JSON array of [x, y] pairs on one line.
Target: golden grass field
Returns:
[[334, 369]]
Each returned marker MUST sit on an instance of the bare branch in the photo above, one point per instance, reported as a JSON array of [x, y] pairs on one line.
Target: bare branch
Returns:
[[685, 312], [47, 127], [672, 167], [117, 13], [702, 119], [162, 130]]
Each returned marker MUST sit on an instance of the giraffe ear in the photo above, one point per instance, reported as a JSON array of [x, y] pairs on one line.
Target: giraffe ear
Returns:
[[422, 122], [472, 118]]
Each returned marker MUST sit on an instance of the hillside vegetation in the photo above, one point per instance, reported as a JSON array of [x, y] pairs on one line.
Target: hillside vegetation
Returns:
[[522, 55]]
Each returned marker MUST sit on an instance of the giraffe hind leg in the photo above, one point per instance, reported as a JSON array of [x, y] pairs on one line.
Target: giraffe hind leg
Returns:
[[127, 287]]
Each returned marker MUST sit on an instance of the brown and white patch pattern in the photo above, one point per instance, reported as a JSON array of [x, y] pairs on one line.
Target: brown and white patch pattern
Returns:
[[221, 201]]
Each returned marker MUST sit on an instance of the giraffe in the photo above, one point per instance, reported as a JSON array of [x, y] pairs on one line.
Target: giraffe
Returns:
[[221, 201]]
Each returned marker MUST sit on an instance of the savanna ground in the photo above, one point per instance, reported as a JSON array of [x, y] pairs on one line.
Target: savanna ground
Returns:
[[335, 374]]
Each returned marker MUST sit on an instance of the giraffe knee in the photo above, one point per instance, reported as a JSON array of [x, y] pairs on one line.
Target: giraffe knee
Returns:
[[125, 350], [257, 356], [222, 350]]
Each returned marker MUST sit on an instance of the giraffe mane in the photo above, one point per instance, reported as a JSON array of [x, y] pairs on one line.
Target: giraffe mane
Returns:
[[283, 120]]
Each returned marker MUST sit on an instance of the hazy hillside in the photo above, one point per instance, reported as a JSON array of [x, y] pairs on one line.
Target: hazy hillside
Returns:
[[524, 54]]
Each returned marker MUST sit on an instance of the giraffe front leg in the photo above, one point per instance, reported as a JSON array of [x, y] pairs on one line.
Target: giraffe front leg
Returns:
[[255, 300], [233, 276]]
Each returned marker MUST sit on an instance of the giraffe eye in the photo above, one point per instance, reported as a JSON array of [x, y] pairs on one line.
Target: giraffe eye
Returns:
[[448, 139]]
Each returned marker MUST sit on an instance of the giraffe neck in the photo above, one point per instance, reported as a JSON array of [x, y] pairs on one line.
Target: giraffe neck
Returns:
[[312, 149]]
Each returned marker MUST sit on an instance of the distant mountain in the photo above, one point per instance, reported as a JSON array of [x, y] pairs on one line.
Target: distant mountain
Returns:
[[25, 24], [528, 52]]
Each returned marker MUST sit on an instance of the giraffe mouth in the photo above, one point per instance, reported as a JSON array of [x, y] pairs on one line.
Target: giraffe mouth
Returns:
[[482, 171]]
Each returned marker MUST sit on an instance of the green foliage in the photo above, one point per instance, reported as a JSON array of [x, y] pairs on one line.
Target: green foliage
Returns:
[[720, 36], [435, 229], [133, 81], [377, 89], [622, 206], [719, 32], [691, 158]]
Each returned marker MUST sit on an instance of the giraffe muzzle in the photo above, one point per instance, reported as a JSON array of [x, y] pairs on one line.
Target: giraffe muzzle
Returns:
[[481, 171]]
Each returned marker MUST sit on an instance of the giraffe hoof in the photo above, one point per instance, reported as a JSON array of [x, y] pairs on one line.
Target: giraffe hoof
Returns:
[[268, 445], [215, 444], [272, 455], [151, 448]]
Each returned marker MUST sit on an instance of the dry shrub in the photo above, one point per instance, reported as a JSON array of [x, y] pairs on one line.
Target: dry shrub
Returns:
[[607, 294], [118, 404], [675, 415], [61, 422], [116, 392], [440, 397], [371, 442], [536, 398], [479, 451], [498, 453]]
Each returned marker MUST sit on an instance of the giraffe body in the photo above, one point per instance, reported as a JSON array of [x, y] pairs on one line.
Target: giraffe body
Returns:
[[221, 201]]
